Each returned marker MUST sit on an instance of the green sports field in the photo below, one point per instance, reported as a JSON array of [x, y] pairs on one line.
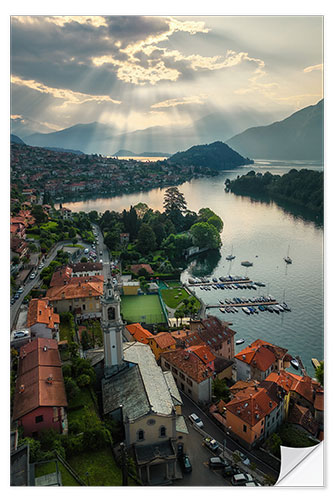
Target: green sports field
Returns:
[[142, 308]]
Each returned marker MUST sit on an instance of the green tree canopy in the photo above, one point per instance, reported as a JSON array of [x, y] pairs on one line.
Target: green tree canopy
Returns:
[[320, 373], [146, 239], [205, 235], [174, 200]]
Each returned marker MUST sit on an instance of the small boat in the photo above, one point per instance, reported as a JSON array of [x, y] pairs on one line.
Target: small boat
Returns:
[[294, 363], [315, 362], [288, 259], [227, 309], [276, 309], [280, 307], [259, 283], [215, 280], [270, 309], [236, 309], [191, 281], [246, 263], [261, 308], [240, 341], [222, 310], [221, 302], [246, 310], [285, 306], [231, 256]]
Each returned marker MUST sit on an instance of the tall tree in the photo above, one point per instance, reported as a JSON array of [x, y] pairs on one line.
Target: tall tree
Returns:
[[146, 239], [174, 200], [205, 235]]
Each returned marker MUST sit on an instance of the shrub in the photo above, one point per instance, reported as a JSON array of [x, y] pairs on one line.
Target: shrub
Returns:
[[83, 380]]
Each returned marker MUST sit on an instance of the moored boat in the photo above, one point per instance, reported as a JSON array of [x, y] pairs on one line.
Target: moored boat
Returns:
[[246, 310], [240, 341], [246, 263], [294, 363]]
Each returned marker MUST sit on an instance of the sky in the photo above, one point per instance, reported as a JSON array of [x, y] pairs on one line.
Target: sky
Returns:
[[135, 72]]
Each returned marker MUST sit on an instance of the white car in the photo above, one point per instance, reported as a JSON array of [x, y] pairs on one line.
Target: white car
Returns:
[[196, 420], [32, 276]]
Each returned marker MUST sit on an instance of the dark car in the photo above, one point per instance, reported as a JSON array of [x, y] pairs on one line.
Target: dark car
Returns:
[[230, 471], [185, 463], [217, 463]]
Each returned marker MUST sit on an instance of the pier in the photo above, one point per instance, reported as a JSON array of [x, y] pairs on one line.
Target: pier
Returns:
[[243, 304], [246, 281]]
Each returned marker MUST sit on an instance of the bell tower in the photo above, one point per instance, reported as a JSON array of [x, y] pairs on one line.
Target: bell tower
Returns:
[[112, 328]]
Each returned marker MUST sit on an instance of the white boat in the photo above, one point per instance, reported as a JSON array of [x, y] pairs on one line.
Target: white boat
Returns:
[[288, 259], [246, 310], [294, 363], [231, 256], [240, 341]]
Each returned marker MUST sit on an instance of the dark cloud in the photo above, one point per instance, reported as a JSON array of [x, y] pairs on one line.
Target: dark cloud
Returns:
[[134, 28]]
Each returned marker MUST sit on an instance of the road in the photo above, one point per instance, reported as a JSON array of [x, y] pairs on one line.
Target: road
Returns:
[[217, 433]]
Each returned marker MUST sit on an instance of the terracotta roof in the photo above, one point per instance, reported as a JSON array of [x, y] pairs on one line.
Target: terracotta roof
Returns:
[[39, 361], [139, 333], [243, 384], [304, 386], [302, 416], [180, 334], [188, 363], [40, 312], [136, 268], [203, 353], [193, 339], [214, 332], [76, 290], [164, 340], [251, 405], [87, 266], [63, 274], [260, 354], [319, 400]]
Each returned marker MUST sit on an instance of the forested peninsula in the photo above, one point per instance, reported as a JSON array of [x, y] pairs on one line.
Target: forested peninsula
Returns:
[[304, 188]]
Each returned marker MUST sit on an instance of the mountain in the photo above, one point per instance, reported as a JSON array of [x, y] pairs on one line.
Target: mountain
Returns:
[[90, 138], [298, 137], [217, 156], [62, 150], [126, 152], [104, 139], [16, 139]]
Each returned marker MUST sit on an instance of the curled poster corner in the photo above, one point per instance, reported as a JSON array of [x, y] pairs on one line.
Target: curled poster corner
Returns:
[[302, 466]]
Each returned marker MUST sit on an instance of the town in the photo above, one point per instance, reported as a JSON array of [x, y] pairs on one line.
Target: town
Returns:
[[119, 373]]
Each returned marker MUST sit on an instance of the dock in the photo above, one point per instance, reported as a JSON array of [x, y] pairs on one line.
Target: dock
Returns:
[[244, 304], [227, 282], [315, 362]]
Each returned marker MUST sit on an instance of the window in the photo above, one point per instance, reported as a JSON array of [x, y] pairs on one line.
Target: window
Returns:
[[182, 376], [151, 421], [38, 419], [189, 381], [228, 341], [70, 308], [162, 431], [182, 386], [140, 435], [189, 391], [84, 307], [175, 371], [167, 365], [244, 428], [55, 414]]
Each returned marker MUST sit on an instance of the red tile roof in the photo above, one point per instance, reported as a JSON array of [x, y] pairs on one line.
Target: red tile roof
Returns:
[[40, 381], [214, 332], [60, 276], [261, 354], [139, 333], [188, 363], [203, 353], [136, 268], [319, 400], [251, 405], [75, 290], [163, 340], [40, 312], [302, 416], [243, 384], [304, 386]]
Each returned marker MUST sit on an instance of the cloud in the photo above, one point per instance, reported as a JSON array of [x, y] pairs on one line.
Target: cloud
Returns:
[[67, 95], [171, 103], [96, 21], [317, 67]]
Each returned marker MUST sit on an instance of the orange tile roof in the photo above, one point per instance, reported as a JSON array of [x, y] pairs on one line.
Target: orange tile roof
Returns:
[[193, 339], [60, 276], [304, 386], [203, 353], [188, 363], [39, 360], [302, 416], [75, 291], [261, 354], [251, 405], [139, 333], [40, 312], [243, 384], [214, 332], [135, 268], [164, 340]]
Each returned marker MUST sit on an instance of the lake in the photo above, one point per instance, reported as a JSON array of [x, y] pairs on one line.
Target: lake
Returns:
[[260, 232]]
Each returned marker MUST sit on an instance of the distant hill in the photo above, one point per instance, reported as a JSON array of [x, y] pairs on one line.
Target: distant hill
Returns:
[[16, 139], [126, 152], [218, 156], [63, 150], [298, 137]]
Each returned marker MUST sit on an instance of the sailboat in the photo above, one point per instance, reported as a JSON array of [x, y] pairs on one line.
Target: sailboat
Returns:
[[231, 256], [288, 259]]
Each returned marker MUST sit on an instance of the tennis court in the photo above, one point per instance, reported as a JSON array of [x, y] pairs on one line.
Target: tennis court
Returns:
[[142, 309]]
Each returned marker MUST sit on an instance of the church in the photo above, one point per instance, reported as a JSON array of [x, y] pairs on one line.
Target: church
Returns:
[[142, 397]]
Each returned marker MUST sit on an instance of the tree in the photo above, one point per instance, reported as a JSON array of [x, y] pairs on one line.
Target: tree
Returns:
[[273, 443], [174, 200], [146, 239], [72, 389], [220, 390], [320, 373], [15, 260], [38, 213], [216, 221], [83, 380], [84, 259], [205, 235]]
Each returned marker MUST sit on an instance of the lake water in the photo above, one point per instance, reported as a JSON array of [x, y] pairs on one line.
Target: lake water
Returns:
[[261, 233]]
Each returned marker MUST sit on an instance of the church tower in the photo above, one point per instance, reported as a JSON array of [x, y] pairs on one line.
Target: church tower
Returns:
[[112, 329]]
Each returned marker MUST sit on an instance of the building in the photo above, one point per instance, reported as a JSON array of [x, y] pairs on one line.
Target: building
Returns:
[[42, 320], [131, 287], [145, 400], [161, 342], [191, 373], [259, 359], [40, 399], [136, 332], [217, 335], [87, 268], [136, 268], [80, 295]]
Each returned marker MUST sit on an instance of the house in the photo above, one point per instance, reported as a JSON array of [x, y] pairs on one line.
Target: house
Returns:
[[87, 268], [217, 335], [80, 296], [259, 359], [131, 287], [136, 268], [42, 320], [40, 399], [136, 332], [303, 419], [247, 415], [160, 343], [191, 373]]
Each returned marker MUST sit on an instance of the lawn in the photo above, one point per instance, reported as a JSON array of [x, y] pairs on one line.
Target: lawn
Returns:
[[174, 296], [66, 329], [47, 468], [172, 284], [142, 308]]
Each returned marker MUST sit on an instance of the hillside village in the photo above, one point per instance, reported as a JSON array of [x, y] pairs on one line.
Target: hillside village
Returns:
[[90, 380]]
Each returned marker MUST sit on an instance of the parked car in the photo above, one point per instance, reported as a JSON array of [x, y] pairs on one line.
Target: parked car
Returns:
[[241, 479], [196, 420], [12, 300], [20, 290], [41, 266], [20, 334], [245, 460], [217, 463], [16, 296], [32, 276], [86, 250], [230, 471], [185, 463], [211, 443]]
